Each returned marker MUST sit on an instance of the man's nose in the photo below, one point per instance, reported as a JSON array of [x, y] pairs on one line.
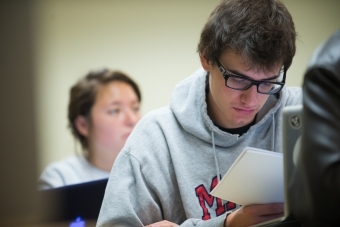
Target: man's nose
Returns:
[[249, 96]]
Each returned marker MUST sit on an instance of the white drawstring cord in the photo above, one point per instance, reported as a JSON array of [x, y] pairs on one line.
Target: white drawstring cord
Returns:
[[216, 163], [273, 133]]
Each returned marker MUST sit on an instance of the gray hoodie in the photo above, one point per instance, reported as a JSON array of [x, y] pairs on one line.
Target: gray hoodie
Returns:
[[171, 161]]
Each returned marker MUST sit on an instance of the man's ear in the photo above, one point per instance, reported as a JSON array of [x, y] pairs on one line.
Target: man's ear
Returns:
[[206, 64], [82, 125]]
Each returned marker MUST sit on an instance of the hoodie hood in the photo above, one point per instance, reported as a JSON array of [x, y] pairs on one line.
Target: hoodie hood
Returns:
[[188, 103]]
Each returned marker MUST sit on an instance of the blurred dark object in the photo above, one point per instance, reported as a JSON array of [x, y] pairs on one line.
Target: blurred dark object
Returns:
[[79, 200], [317, 179], [20, 203]]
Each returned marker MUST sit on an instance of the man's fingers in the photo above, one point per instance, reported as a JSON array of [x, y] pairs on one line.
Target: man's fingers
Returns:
[[268, 217], [163, 224], [266, 209]]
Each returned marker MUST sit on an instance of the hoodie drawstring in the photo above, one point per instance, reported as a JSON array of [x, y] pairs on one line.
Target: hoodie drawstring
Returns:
[[215, 155], [273, 133], [216, 163]]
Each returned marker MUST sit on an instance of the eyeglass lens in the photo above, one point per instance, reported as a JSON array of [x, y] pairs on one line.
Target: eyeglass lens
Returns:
[[243, 84]]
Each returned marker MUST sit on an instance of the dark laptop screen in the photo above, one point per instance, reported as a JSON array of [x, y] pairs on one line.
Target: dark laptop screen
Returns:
[[76, 203]]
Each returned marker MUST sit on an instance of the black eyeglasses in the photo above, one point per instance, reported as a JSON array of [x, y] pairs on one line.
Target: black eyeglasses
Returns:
[[242, 83]]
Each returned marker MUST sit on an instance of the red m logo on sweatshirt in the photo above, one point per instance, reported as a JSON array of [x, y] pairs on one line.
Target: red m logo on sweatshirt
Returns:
[[205, 199]]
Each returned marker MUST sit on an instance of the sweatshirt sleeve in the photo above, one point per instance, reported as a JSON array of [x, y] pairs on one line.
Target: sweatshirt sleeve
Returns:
[[130, 200], [146, 183]]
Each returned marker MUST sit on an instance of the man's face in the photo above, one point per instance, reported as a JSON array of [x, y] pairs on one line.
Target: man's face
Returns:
[[231, 108]]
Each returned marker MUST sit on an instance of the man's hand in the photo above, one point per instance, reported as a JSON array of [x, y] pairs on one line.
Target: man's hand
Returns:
[[163, 224], [253, 214]]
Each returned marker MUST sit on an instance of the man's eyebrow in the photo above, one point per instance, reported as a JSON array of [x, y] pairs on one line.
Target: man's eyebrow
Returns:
[[236, 73]]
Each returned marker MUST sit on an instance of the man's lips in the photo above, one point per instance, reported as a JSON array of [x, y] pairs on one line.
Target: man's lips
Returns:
[[244, 110]]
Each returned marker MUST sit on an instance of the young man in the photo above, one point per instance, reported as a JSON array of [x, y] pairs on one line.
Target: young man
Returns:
[[175, 155]]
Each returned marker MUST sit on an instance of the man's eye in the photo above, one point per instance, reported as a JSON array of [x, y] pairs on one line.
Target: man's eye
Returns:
[[238, 79], [266, 84]]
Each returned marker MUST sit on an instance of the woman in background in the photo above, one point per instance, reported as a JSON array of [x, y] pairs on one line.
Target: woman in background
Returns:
[[103, 109]]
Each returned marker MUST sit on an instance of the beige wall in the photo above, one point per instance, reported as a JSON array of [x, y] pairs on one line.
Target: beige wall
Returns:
[[154, 41], [315, 21]]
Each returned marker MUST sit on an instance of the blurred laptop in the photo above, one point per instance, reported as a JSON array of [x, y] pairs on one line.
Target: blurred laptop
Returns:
[[76, 205], [291, 133]]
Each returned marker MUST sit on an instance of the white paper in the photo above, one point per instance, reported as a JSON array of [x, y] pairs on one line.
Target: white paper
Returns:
[[256, 177]]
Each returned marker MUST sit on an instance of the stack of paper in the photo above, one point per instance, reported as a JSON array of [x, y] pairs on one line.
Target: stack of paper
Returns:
[[256, 177]]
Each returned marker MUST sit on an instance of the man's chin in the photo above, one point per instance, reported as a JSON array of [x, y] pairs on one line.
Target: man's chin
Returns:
[[243, 122]]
